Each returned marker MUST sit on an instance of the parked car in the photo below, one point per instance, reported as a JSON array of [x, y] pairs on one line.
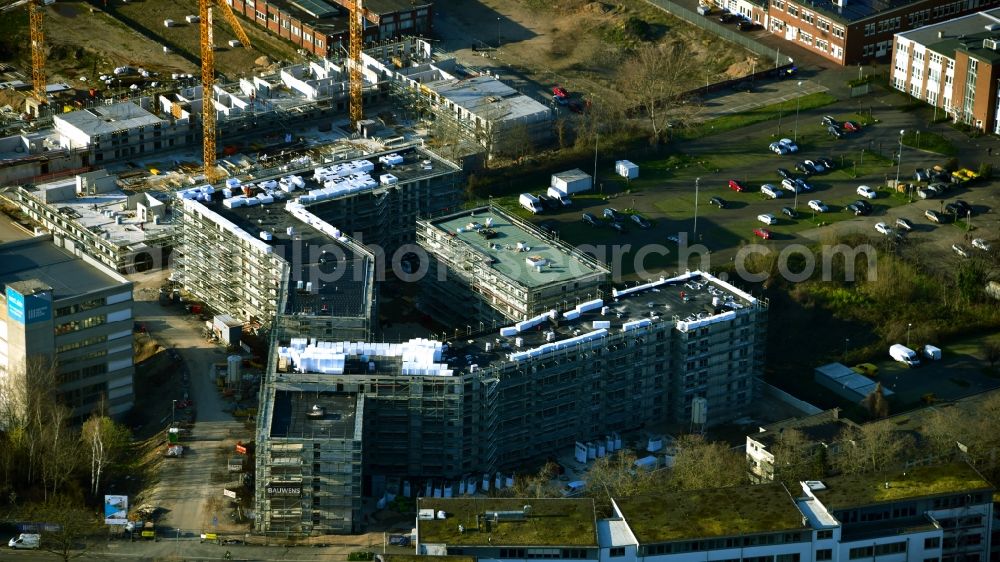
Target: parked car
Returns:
[[981, 244], [864, 205], [789, 212], [904, 224], [618, 227], [560, 92], [834, 132], [767, 219], [727, 18], [789, 144], [613, 215], [883, 228], [933, 216], [790, 185], [964, 208], [785, 174], [960, 250], [778, 148], [762, 233], [549, 203], [933, 190], [865, 191], [804, 168], [803, 184], [818, 206], [747, 25], [735, 185], [866, 369], [855, 209], [850, 127], [921, 174], [925, 193], [940, 187], [770, 191], [817, 167], [829, 121], [826, 162], [718, 202], [591, 219], [641, 221]]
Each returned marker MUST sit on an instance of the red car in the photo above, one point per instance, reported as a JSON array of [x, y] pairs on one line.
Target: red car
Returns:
[[736, 186], [560, 92], [851, 126], [762, 233]]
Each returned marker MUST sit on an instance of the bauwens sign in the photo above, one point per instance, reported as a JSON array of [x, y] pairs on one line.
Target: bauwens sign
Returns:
[[284, 489]]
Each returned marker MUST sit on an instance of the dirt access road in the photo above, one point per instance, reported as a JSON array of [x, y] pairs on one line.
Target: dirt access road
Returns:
[[187, 484]]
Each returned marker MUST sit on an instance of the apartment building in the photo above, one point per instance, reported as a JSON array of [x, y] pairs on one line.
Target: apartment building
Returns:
[[121, 130], [321, 28], [309, 469], [931, 513], [820, 430], [485, 402], [953, 66], [488, 266], [855, 31], [73, 312]]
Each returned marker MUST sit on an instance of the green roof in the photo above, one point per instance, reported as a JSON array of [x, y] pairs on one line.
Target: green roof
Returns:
[[561, 265], [717, 512], [854, 490], [551, 522], [425, 558]]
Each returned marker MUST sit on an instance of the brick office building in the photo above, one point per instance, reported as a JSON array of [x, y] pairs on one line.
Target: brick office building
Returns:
[[321, 28], [854, 31], [953, 65]]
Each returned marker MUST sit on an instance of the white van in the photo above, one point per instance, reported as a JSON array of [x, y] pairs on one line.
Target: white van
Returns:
[[903, 354], [27, 541], [530, 202]]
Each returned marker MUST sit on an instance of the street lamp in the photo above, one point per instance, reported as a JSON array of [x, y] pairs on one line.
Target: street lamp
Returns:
[[696, 181], [908, 326], [498, 32], [797, 101], [173, 408], [899, 157]]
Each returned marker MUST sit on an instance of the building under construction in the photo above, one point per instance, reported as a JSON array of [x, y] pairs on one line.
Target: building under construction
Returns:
[[683, 351], [489, 266]]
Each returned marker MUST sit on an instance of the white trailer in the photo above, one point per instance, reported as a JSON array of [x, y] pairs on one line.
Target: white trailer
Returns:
[[932, 352], [626, 169], [903, 354], [572, 181]]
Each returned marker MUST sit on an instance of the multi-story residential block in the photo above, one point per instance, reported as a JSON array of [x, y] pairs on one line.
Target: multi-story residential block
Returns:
[[941, 513], [953, 66], [486, 402], [489, 266], [72, 313], [121, 130], [321, 28], [853, 31], [820, 430]]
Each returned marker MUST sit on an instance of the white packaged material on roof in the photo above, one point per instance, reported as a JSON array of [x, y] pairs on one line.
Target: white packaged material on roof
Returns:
[[590, 305], [532, 322], [388, 179], [193, 206], [602, 324], [508, 331], [232, 182], [636, 324], [265, 199], [571, 314], [391, 159], [685, 325], [557, 345]]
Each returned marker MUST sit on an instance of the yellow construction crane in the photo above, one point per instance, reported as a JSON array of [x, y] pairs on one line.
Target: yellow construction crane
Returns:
[[208, 78], [38, 81], [358, 15]]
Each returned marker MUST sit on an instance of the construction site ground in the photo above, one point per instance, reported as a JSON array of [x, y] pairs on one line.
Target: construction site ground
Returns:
[[578, 44]]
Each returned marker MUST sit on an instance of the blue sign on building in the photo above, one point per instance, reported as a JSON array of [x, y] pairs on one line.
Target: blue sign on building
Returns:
[[28, 309]]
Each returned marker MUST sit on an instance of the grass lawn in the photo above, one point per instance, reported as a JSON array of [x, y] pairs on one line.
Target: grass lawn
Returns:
[[758, 115], [927, 140]]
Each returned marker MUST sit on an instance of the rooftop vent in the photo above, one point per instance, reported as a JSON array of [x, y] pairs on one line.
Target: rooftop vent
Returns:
[[815, 485], [317, 411]]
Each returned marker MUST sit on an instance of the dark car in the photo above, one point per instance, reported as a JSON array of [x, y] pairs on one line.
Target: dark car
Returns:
[[618, 227], [641, 221], [591, 219], [613, 215], [785, 174], [859, 208], [726, 17], [829, 121], [718, 202], [959, 209], [549, 227], [747, 25], [966, 208], [864, 205], [789, 212], [826, 162], [921, 174], [834, 132], [549, 202], [805, 168]]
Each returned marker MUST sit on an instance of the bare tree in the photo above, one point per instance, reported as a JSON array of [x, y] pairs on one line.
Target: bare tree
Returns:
[[104, 441], [872, 447], [701, 464], [538, 485], [72, 525], [795, 458], [991, 350], [518, 142], [59, 451], [654, 79], [875, 403], [617, 476]]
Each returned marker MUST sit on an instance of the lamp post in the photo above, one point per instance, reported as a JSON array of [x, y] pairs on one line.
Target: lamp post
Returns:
[[899, 157], [797, 101], [908, 326], [696, 182], [498, 32], [173, 408]]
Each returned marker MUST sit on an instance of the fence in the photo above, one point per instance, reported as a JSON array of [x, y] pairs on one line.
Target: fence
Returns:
[[734, 37]]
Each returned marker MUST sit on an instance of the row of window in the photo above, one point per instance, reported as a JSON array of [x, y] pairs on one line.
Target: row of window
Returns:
[[545, 553], [719, 544], [79, 307], [77, 325], [877, 550], [82, 343], [86, 372]]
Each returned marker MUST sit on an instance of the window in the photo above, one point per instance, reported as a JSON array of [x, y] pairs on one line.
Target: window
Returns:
[[805, 37], [76, 325], [274, 17], [779, 4], [891, 548], [838, 32], [824, 554], [825, 534], [261, 16], [860, 552], [807, 16], [73, 309], [793, 10], [617, 552], [869, 29], [823, 24], [932, 542]]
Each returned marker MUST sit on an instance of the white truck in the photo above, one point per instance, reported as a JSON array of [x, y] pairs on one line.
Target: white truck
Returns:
[[27, 541], [531, 203], [559, 196], [903, 354]]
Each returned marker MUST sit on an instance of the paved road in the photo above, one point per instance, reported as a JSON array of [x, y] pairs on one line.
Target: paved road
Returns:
[[186, 484], [195, 550], [10, 231]]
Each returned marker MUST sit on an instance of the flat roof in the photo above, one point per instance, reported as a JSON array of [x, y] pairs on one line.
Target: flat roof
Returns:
[[39, 259], [560, 264], [425, 558], [856, 490], [614, 532], [551, 522], [106, 119], [822, 427], [953, 28], [853, 10], [313, 414], [718, 512], [687, 302], [816, 513], [488, 98], [337, 276]]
